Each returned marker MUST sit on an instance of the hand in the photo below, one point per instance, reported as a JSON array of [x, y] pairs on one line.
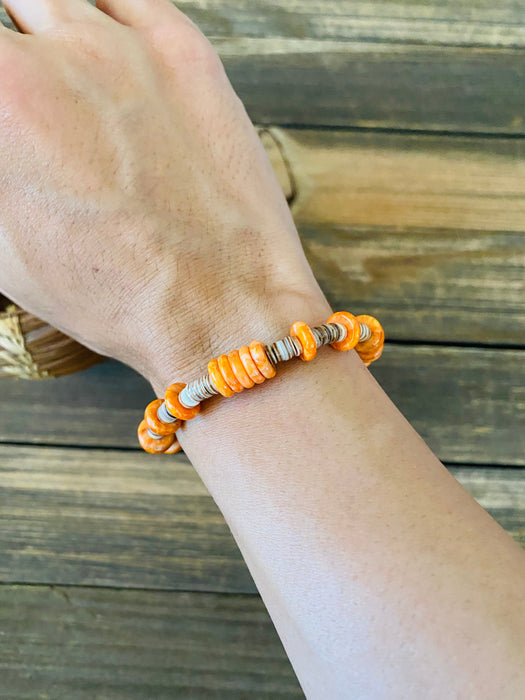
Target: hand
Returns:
[[138, 210]]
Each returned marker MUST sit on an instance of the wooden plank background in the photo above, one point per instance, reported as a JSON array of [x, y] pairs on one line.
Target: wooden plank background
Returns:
[[98, 643], [118, 519], [426, 230], [396, 131], [320, 62]]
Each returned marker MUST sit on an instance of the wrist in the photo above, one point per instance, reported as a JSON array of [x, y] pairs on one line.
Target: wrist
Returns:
[[183, 349]]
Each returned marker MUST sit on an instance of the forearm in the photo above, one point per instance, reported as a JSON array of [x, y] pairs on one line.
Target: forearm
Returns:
[[382, 575]]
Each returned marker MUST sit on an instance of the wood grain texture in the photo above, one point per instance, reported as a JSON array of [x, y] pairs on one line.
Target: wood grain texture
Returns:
[[453, 22], [108, 518], [405, 180], [375, 85], [298, 73], [468, 404], [428, 231], [500, 492], [425, 285], [115, 645], [128, 520], [101, 407]]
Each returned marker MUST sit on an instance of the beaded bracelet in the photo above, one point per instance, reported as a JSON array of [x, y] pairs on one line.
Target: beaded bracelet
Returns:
[[253, 364]]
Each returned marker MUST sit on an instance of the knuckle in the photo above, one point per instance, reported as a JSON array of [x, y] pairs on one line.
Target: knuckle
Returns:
[[197, 52], [184, 46]]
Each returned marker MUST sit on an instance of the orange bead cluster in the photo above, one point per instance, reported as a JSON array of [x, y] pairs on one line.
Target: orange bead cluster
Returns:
[[252, 364], [240, 369]]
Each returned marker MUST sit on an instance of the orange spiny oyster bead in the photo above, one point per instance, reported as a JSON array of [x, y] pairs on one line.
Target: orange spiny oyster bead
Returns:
[[250, 365], [304, 335], [239, 369], [175, 447], [151, 444], [353, 331], [260, 358], [228, 374], [155, 424], [218, 380], [371, 349], [175, 407]]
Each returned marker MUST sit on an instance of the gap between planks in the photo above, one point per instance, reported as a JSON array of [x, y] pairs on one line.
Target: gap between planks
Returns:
[[108, 519]]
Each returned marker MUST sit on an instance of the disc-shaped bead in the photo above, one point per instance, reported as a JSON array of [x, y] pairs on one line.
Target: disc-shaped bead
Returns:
[[353, 331], [260, 358], [250, 365], [228, 374], [304, 335], [240, 370], [175, 407], [368, 358], [218, 380], [151, 444], [154, 422], [371, 349], [175, 447]]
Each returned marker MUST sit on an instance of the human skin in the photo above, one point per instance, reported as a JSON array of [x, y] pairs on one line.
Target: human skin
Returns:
[[139, 214]]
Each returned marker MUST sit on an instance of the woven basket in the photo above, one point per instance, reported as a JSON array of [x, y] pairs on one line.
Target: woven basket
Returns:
[[32, 349]]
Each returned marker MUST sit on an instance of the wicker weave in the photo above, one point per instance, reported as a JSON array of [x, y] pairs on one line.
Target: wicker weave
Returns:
[[32, 349]]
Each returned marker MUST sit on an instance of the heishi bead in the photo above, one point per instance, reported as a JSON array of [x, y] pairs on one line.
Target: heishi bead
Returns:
[[372, 348], [250, 366], [260, 358], [151, 444], [155, 423], [228, 374], [283, 350], [218, 380], [196, 391], [353, 330], [303, 333], [240, 370], [164, 415], [329, 333], [174, 406]]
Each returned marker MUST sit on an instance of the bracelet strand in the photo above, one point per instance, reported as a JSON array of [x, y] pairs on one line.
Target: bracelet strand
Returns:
[[253, 364]]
